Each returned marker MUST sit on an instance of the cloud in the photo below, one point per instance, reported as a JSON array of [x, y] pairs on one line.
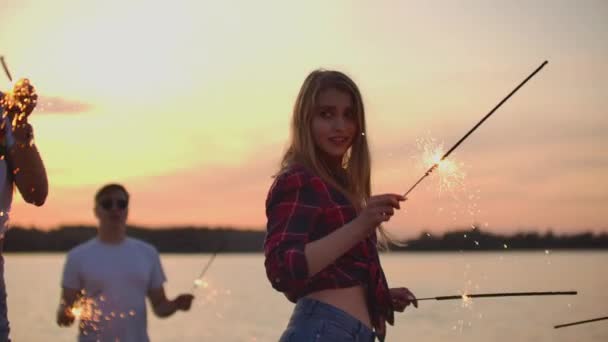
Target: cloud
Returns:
[[61, 105], [215, 195]]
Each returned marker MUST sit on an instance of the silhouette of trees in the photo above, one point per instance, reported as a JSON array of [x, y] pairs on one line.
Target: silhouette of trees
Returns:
[[205, 240], [475, 239]]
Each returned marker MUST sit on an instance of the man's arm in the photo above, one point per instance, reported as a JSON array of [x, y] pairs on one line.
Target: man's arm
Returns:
[[164, 307], [65, 318]]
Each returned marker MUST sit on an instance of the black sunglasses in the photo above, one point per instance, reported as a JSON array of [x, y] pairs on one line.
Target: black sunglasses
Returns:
[[108, 204]]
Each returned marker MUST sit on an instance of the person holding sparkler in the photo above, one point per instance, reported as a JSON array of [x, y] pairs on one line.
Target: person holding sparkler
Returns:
[[321, 242], [106, 279], [20, 166]]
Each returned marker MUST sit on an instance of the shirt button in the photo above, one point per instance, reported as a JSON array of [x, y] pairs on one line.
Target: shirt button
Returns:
[[277, 280]]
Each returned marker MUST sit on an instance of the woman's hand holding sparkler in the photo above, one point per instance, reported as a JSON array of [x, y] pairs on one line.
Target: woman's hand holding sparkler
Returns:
[[378, 209], [402, 297], [322, 252]]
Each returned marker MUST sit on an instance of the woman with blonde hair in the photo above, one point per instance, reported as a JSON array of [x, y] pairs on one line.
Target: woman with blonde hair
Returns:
[[321, 244]]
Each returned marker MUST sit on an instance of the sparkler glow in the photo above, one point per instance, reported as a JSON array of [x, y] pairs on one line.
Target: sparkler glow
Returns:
[[445, 155], [76, 311], [198, 282], [451, 174], [201, 283], [19, 102], [467, 302], [85, 309]]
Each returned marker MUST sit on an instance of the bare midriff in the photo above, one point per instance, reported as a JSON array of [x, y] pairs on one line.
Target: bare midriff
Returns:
[[352, 300]]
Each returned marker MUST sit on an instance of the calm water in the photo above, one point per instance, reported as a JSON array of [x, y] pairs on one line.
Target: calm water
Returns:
[[240, 305]]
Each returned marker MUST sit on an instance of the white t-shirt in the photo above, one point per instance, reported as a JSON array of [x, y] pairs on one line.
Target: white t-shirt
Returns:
[[116, 279]]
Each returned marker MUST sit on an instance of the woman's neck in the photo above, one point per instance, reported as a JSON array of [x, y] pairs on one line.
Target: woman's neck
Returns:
[[333, 165]]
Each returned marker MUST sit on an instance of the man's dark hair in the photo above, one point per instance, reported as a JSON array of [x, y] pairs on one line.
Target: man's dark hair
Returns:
[[110, 187]]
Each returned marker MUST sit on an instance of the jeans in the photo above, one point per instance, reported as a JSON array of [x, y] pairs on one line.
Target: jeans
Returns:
[[313, 320]]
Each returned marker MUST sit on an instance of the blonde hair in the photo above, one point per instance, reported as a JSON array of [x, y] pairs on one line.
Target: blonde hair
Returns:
[[302, 149]]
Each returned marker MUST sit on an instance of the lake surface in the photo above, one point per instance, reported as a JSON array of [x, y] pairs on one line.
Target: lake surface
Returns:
[[240, 305]]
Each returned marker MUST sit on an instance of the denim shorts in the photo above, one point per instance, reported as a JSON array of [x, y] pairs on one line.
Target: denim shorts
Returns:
[[313, 320]]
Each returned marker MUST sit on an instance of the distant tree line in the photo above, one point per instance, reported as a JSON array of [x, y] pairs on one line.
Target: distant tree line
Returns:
[[171, 240], [477, 240], [205, 240]]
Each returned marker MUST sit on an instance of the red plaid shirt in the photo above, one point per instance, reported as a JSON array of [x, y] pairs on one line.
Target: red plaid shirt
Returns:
[[302, 208]]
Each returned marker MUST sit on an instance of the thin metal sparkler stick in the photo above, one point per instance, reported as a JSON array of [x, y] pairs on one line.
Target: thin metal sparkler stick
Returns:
[[504, 294], [580, 322], [432, 168], [208, 264], [5, 67]]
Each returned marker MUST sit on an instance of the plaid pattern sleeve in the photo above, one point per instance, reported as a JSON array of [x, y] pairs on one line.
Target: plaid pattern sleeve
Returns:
[[292, 213]]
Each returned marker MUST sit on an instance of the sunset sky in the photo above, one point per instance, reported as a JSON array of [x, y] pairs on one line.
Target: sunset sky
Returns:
[[188, 104]]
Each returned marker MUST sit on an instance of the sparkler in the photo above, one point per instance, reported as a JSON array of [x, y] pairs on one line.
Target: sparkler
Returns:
[[8, 73], [466, 297], [85, 309], [436, 165], [199, 280], [580, 322], [451, 176]]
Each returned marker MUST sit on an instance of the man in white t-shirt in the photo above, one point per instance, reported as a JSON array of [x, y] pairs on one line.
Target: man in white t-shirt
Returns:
[[106, 279], [20, 167]]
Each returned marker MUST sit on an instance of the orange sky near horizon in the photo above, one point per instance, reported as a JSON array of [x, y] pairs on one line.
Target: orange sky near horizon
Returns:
[[188, 104]]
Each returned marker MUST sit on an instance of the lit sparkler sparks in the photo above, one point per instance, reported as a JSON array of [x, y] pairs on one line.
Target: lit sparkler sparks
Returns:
[[76, 311], [451, 174], [85, 309], [445, 155], [20, 101], [467, 302], [200, 283]]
